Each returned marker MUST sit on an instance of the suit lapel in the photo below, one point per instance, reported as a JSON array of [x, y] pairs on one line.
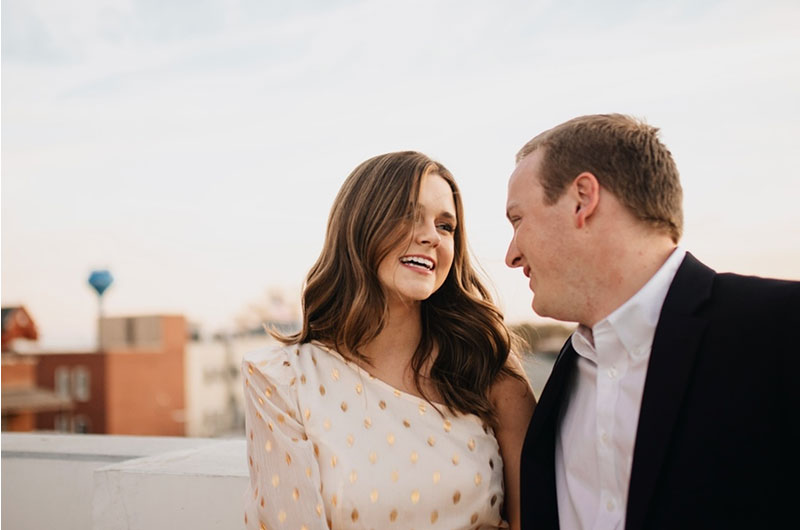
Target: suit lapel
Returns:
[[675, 345], [553, 393], [538, 479]]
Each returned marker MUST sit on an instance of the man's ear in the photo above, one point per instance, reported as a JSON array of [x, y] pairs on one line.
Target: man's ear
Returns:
[[586, 191]]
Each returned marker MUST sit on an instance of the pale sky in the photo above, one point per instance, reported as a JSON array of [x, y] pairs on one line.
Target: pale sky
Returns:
[[194, 148]]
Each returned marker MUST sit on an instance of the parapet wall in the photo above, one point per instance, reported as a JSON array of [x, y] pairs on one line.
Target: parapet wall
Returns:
[[77, 482]]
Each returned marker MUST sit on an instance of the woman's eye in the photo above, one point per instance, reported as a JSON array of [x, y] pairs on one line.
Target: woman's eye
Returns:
[[447, 227]]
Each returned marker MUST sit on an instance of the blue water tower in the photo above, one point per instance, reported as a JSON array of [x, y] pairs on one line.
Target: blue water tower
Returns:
[[100, 280]]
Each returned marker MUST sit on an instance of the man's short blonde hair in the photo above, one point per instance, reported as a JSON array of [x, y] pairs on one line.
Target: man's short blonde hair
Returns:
[[626, 157]]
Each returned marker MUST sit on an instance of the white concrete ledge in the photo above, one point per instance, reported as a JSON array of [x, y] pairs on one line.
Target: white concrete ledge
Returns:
[[199, 488], [131, 482]]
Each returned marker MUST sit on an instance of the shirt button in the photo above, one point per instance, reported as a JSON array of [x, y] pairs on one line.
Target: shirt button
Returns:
[[610, 506], [604, 437], [612, 372]]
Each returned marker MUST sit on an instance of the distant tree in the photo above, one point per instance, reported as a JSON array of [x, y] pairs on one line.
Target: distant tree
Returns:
[[539, 338], [273, 309]]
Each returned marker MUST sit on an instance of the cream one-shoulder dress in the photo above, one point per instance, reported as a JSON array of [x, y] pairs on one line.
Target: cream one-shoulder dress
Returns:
[[330, 446]]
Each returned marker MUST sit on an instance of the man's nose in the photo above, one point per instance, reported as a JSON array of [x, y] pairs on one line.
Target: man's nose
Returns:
[[513, 257]]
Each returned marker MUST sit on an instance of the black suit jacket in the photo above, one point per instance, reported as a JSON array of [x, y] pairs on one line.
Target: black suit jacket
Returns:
[[718, 440]]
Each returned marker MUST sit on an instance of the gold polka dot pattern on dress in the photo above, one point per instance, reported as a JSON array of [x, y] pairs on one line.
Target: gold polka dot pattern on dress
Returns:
[[326, 424], [260, 400], [319, 510], [262, 502], [434, 516], [394, 476], [414, 457], [397, 393], [268, 446], [382, 404], [262, 526], [268, 392], [307, 414], [316, 450], [335, 374], [353, 476], [281, 516], [250, 369], [406, 424], [373, 457], [478, 479], [390, 439], [350, 440], [334, 500], [303, 379], [275, 480], [471, 444], [373, 496], [367, 422], [358, 388], [296, 494], [474, 518], [415, 497], [456, 497], [321, 390], [354, 515], [344, 406], [287, 363], [455, 460], [393, 515], [431, 441], [333, 461], [436, 477], [292, 381], [447, 425], [288, 459], [303, 527], [281, 418], [308, 472], [422, 408]]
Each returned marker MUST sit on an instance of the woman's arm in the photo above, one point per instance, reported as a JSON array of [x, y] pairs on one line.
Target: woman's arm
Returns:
[[514, 402], [284, 473]]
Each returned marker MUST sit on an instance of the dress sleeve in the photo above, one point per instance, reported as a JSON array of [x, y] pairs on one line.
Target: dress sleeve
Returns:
[[284, 474]]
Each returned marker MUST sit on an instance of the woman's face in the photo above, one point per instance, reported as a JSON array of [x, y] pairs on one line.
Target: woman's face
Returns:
[[414, 271]]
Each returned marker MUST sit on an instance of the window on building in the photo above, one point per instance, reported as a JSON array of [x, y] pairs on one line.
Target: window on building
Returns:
[[62, 384], [80, 383], [62, 422], [80, 424]]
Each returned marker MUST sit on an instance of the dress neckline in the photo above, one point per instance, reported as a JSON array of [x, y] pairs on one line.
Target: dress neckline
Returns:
[[396, 391]]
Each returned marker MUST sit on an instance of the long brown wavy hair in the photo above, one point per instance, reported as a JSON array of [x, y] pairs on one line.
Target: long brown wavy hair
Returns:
[[344, 304]]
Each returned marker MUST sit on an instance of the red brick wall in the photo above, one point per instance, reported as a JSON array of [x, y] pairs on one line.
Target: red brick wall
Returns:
[[95, 408], [145, 389]]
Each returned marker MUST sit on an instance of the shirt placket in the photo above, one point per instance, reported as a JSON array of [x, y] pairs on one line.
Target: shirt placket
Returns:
[[609, 370]]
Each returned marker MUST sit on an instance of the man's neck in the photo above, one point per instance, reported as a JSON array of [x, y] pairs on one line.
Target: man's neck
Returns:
[[621, 271]]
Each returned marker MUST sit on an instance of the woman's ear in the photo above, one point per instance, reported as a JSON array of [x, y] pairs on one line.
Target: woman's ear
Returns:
[[586, 191]]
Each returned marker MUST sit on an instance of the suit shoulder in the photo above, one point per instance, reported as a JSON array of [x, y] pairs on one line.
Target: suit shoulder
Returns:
[[756, 295]]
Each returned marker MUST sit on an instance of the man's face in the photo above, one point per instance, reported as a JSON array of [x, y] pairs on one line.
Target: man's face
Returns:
[[543, 238]]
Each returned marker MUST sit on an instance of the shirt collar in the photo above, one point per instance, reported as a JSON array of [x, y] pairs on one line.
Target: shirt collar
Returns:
[[634, 322]]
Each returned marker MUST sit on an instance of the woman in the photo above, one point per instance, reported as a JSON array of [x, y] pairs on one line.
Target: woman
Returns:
[[393, 404]]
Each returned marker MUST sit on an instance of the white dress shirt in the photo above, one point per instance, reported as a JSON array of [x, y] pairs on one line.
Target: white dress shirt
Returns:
[[598, 420]]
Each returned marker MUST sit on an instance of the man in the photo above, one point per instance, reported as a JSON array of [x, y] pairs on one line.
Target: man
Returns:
[[676, 402]]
